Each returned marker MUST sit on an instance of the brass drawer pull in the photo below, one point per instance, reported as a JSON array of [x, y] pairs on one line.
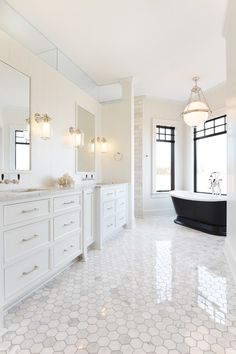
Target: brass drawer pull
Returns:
[[30, 238], [67, 203], [69, 223], [30, 271], [29, 211]]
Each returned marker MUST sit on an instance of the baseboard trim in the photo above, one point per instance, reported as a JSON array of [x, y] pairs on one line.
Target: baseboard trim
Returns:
[[159, 212], [231, 258]]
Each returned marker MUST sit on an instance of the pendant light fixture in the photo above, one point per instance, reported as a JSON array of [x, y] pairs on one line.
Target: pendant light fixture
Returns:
[[197, 110]]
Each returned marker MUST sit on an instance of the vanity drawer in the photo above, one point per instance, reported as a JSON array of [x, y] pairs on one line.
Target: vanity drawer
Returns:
[[67, 248], [23, 239], [108, 208], [23, 273], [108, 194], [121, 191], [120, 205], [66, 202], [109, 225], [24, 211], [66, 223], [121, 219]]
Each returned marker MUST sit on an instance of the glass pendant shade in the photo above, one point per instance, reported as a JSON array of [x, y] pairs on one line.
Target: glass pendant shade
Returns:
[[196, 113], [197, 110]]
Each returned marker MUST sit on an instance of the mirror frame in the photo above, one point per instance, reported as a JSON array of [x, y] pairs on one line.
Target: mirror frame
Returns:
[[77, 172], [3, 170]]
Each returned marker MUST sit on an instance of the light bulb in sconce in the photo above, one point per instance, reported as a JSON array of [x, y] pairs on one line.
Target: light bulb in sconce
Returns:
[[104, 145], [92, 146], [78, 136], [45, 125]]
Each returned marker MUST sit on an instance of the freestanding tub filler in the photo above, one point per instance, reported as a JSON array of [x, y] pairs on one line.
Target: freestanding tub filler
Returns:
[[203, 212]]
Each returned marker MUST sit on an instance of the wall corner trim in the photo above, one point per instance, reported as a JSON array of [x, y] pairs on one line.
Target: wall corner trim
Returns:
[[231, 258]]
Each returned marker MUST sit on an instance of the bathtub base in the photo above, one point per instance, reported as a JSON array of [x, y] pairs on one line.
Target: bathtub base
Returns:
[[196, 225]]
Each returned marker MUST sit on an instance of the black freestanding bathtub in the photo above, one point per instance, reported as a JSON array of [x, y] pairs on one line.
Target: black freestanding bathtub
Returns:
[[203, 212]]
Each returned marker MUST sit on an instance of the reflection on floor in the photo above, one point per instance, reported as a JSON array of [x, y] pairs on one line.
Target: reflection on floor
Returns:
[[159, 288]]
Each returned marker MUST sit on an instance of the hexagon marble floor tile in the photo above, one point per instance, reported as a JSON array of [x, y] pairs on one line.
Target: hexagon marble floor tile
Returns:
[[159, 288]]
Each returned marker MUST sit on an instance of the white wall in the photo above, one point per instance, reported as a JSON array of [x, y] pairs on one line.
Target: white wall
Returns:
[[230, 33], [53, 94], [216, 98], [117, 128], [162, 110]]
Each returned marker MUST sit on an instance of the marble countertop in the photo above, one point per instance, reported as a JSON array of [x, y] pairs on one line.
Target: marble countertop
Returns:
[[29, 193]]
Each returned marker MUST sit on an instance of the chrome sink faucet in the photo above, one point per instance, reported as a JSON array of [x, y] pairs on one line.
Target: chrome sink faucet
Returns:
[[215, 183], [8, 181]]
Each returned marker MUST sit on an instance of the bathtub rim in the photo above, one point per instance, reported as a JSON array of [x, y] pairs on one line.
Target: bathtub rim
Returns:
[[195, 196]]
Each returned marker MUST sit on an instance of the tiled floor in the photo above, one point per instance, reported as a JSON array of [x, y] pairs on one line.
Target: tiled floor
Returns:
[[160, 288]]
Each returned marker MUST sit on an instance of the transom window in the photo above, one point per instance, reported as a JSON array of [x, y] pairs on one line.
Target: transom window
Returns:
[[164, 158], [210, 153]]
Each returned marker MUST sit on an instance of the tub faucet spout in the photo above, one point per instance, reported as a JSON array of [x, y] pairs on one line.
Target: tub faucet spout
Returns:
[[215, 183]]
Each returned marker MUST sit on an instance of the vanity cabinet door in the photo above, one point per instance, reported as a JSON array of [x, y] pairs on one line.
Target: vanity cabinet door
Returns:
[[66, 202], [25, 211], [63, 224], [88, 216], [22, 273], [24, 239], [68, 248]]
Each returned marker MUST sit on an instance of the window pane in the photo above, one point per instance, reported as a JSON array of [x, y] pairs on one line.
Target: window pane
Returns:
[[209, 124], [168, 131], [199, 134], [162, 137], [220, 121], [22, 157], [219, 129], [209, 131], [211, 156], [163, 166]]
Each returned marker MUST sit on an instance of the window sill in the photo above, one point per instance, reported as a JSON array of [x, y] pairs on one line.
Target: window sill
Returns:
[[160, 195]]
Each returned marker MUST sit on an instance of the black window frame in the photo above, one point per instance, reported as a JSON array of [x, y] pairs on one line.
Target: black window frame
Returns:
[[19, 143], [167, 138], [205, 136]]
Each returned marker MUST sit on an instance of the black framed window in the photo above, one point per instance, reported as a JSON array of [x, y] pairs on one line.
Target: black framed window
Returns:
[[210, 153], [165, 158], [22, 151]]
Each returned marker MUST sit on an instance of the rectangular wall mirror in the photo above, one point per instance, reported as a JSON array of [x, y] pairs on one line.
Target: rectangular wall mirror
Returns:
[[85, 155], [15, 149]]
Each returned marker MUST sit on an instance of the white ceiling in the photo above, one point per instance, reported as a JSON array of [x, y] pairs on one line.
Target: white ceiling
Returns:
[[161, 43]]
